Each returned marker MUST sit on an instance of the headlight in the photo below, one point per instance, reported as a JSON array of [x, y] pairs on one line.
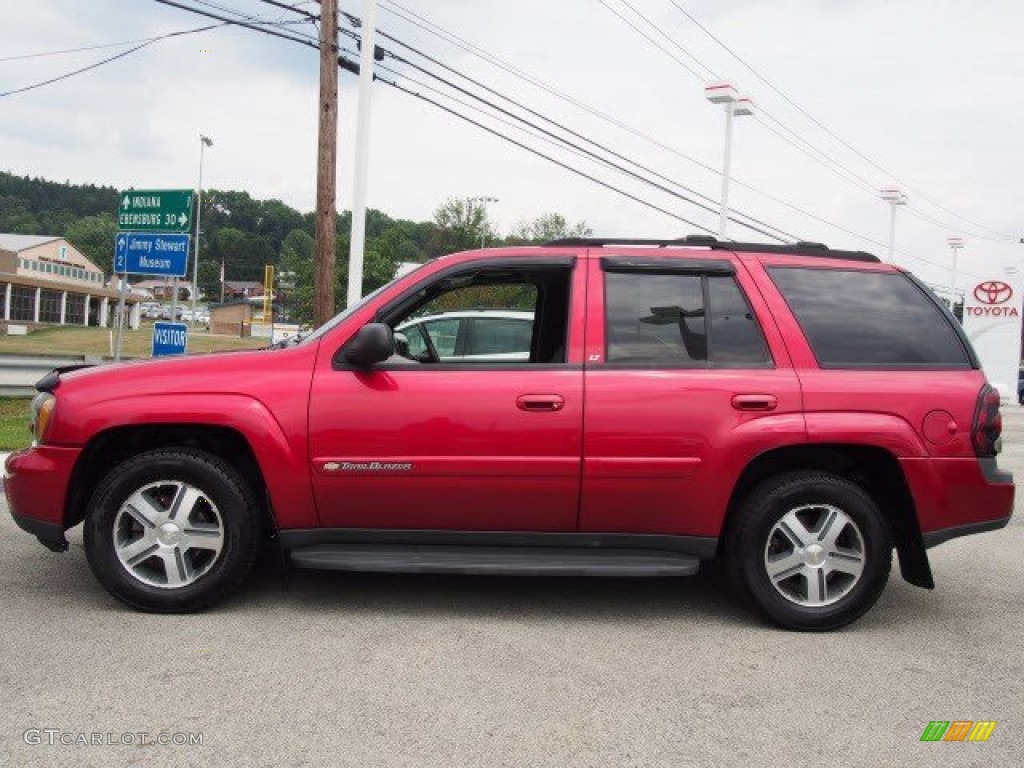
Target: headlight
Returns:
[[42, 409]]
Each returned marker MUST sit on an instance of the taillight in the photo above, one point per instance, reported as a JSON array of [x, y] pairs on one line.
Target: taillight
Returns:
[[988, 423]]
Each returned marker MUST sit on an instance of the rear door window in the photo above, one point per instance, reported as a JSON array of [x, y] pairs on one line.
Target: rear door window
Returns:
[[680, 319], [860, 319]]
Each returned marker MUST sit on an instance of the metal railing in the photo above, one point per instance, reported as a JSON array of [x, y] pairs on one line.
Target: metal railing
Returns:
[[19, 373]]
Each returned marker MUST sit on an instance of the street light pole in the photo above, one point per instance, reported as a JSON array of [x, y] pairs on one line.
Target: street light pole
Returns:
[[895, 197], [955, 244], [357, 241], [725, 93], [483, 200], [204, 141]]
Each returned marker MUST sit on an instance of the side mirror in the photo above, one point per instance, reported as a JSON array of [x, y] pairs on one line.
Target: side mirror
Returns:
[[373, 343]]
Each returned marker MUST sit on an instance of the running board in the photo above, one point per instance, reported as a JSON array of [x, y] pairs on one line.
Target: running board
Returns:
[[508, 561]]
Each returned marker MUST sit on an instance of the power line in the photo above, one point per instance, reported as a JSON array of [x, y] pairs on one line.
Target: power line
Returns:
[[570, 131], [550, 159], [565, 166], [825, 128], [655, 43], [455, 40], [492, 105], [558, 141], [292, 7], [258, 28], [465, 45], [807, 148], [79, 50], [817, 155], [671, 40], [107, 60]]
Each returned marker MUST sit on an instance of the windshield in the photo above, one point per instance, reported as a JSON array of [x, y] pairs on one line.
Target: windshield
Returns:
[[349, 311]]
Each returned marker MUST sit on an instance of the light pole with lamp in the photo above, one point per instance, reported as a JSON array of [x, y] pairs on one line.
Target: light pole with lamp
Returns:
[[894, 197], [483, 200], [357, 239], [204, 141], [955, 244], [725, 93]]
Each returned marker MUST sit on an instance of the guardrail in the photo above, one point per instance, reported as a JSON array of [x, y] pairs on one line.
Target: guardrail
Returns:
[[19, 373]]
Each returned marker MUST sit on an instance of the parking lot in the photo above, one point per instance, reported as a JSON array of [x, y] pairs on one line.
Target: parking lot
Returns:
[[407, 670]]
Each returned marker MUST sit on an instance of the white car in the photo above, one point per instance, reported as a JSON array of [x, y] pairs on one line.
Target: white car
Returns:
[[484, 335], [151, 310]]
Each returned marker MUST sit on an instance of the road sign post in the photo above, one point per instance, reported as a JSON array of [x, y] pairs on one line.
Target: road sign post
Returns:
[[120, 319], [155, 210], [153, 239], [169, 339], [151, 253]]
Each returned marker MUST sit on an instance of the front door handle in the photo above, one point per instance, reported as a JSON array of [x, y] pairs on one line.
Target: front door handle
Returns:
[[546, 403], [755, 402]]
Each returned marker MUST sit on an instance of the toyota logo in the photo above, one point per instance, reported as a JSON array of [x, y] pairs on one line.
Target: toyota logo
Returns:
[[993, 292]]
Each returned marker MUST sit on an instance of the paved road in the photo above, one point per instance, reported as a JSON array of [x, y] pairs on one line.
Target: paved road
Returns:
[[401, 670]]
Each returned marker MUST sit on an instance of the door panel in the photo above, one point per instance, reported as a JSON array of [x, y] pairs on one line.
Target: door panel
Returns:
[[665, 444], [446, 449], [457, 445]]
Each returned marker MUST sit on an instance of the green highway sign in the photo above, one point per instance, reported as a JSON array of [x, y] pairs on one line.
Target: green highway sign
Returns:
[[155, 210]]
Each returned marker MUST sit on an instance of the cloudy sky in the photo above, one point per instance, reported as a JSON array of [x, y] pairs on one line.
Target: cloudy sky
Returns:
[[926, 92]]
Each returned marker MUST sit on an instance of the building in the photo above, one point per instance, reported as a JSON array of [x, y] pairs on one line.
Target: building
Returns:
[[45, 280], [242, 289], [232, 318], [163, 289]]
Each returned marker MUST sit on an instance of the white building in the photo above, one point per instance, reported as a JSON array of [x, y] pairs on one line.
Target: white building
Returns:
[[45, 280]]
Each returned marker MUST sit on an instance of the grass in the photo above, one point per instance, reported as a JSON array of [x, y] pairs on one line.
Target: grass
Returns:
[[14, 434], [95, 342]]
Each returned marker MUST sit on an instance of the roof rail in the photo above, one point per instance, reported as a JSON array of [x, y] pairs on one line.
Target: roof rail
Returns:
[[801, 248]]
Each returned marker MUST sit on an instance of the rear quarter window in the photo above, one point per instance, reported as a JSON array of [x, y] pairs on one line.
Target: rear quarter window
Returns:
[[859, 319]]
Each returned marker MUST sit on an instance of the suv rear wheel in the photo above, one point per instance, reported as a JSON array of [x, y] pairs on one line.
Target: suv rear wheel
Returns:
[[810, 549], [171, 530]]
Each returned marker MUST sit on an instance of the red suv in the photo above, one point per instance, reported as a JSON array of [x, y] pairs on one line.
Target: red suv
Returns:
[[798, 411]]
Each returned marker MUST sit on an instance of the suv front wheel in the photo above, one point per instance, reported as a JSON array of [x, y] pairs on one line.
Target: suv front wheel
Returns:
[[171, 530], [810, 549]]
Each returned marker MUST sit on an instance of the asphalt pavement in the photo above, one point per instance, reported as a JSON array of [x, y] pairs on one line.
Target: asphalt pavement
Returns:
[[388, 670]]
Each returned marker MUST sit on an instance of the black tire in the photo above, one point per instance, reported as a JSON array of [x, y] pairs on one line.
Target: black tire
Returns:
[[752, 533], [239, 522]]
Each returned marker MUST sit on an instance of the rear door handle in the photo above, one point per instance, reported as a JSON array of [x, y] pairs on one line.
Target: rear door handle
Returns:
[[755, 402], [540, 402]]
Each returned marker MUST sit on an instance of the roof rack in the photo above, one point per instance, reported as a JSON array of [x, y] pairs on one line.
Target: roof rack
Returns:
[[800, 248]]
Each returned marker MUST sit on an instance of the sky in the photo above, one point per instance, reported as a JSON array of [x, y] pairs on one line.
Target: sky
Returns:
[[920, 94]]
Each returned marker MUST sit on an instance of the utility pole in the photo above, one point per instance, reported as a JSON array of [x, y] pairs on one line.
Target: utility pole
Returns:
[[327, 166]]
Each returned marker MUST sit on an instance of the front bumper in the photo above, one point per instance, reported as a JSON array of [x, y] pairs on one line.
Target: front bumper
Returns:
[[50, 535], [36, 482]]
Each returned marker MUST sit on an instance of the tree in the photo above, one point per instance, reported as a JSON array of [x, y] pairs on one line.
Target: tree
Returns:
[[209, 279], [295, 275], [243, 253], [550, 226], [94, 236], [17, 218], [462, 224]]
